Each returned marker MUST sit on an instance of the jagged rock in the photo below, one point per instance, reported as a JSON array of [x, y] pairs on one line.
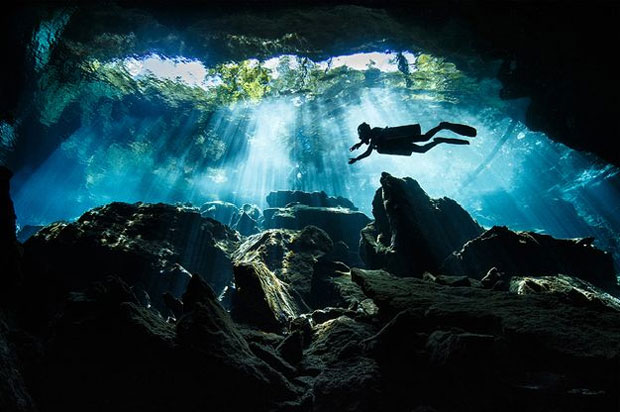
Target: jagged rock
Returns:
[[282, 198], [176, 279], [252, 211], [289, 255], [413, 233], [473, 348], [451, 280], [223, 212], [292, 347], [338, 339], [353, 386], [260, 337], [323, 315], [303, 325], [340, 224], [532, 254], [332, 286], [246, 225], [261, 299], [209, 331], [494, 279], [197, 291], [151, 246], [348, 379], [570, 289], [174, 305], [282, 273], [273, 359], [115, 354]]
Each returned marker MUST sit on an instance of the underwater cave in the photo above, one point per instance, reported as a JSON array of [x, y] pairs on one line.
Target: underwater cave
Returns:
[[182, 228]]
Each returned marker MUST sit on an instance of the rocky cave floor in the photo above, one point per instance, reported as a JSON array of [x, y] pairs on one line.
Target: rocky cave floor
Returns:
[[306, 306]]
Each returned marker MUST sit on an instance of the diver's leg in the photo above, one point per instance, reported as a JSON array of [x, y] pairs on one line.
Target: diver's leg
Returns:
[[438, 140], [424, 148], [450, 140], [428, 135], [461, 129]]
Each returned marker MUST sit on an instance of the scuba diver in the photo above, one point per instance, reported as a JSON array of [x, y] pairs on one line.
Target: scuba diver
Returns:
[[400, 140]]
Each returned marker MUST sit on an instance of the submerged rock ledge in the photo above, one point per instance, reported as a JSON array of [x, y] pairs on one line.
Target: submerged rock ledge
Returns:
[[158, 307]]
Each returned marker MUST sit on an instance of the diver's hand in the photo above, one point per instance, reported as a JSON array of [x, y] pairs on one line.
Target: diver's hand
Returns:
[[355, 147], [352, 160]]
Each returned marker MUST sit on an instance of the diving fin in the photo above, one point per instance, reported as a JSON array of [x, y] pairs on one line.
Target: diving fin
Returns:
[[459, 129]]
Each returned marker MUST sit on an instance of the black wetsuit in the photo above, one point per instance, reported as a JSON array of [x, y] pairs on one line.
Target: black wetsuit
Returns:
[[396, 140]]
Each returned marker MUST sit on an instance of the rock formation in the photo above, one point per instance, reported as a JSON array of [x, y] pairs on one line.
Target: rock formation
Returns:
[[223, 212], [528, 253], [413, 233], [281, 274], [472, 349], [121, 309], [340, 224], [284, 198], [153, 247]]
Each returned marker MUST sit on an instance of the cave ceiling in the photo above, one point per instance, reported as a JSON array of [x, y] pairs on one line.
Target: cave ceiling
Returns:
[[551, 53]]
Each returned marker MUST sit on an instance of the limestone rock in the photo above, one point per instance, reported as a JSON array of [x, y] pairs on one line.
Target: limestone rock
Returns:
[[151, 246], [340, 224], [223, 212], [108, 350], [532, 254], [280, 274], [348, 379], [473, 348], [413, 233], [282, 198], [261, 299], [246, 225], [290, 255], [567, 288]]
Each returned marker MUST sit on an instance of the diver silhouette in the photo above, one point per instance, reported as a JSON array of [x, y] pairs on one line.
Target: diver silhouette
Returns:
[[401, 140]]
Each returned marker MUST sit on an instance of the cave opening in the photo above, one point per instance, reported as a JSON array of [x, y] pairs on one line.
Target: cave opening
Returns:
[[158, 128]]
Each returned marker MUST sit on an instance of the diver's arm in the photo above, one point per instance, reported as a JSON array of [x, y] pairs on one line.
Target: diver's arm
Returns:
[[363, 155], [356, 146]]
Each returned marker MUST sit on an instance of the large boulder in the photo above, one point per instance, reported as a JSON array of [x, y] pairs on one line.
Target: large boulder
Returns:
[[567, 288], [152, 247], [532, 254], [280, 274], [413, 233], [263, 300], [473, 348], [223, 212], [283, 198], [246, 225], [339, 223], [348, 379]]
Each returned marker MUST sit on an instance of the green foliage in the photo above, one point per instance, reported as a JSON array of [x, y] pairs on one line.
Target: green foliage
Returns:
[[242, 81]]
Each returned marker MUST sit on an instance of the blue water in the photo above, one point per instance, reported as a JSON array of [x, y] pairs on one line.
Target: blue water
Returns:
[[508, 175]]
